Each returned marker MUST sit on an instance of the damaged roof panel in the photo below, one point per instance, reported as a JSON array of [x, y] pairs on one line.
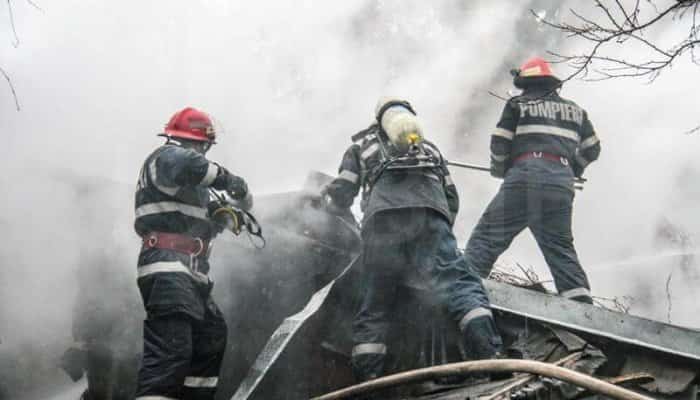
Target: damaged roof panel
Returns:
[[625, 328]]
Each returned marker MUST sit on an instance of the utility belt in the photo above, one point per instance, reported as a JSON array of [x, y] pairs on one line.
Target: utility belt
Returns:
[[191, 246], [545, 156]]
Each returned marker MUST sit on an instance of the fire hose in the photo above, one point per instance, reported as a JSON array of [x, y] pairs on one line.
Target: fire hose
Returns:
[[488, 366], [578, 181]]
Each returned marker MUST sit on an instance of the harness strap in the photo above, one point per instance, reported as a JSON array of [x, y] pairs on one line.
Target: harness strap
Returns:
[[184, 244]]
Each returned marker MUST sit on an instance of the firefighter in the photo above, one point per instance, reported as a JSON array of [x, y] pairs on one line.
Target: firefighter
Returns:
[[541, 144], [409, 204], [184, 331]]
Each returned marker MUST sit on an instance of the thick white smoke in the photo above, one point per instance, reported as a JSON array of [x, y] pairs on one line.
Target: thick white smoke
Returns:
[[289, 82]]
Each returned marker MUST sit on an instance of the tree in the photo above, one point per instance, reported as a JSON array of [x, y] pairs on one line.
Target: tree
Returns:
[[618, 24], [15, 44]]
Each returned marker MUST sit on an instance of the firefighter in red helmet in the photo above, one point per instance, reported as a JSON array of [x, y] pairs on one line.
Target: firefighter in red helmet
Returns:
[[535, 72], [541, 143], [184, 332]]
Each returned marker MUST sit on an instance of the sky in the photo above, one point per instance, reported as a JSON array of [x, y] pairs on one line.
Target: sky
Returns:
[[288, 83]]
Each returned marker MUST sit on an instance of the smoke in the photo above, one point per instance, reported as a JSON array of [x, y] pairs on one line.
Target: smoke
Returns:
[[289, 82]]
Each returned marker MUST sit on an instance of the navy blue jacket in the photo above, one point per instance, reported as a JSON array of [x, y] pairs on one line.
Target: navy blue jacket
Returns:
[[542, 121], [172, 196], [429, 187]]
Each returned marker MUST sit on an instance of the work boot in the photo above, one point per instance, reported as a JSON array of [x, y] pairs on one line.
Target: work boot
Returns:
[[481, 339], [482, 342], [366, 367]]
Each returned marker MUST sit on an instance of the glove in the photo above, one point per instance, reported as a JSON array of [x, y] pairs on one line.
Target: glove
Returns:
[[321, 200], [578, 169], [219, 221], [246, 203], [221, 215], [315, 198], [498, 170], [326, 203], [234, 185]]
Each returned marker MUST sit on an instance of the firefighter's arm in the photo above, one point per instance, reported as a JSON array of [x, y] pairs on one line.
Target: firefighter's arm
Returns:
[[502, 140], [177, 167], [589, 148], [452, 196], [235, 186], [343, 189]]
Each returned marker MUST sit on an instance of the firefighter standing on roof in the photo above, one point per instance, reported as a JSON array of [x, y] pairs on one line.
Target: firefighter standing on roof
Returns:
[[184, 333], [541, 143], [409, 203]]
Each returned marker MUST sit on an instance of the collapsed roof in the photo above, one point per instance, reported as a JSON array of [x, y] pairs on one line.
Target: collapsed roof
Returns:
[[302, 289], [308, 354]]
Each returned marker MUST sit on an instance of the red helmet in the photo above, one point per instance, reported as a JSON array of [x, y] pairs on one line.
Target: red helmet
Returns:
[[534, 67], [190, 124], [535, 71]]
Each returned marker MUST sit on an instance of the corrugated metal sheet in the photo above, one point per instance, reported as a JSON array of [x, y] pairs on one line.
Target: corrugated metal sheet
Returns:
[[555, 310]]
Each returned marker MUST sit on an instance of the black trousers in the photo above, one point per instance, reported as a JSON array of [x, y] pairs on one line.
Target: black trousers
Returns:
[[182, 354], [547, 212], [397, 242]]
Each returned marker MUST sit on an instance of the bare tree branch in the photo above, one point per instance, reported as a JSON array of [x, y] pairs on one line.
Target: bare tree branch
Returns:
[[620, 304], [33, 4], [617, 25], [15, 44], [12, 87], [669, 303], [12, 23], [694, 130], [492, 93]]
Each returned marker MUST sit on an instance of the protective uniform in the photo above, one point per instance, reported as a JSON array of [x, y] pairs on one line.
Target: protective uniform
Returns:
[[409, 205], [184, 333], [541, 143]]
